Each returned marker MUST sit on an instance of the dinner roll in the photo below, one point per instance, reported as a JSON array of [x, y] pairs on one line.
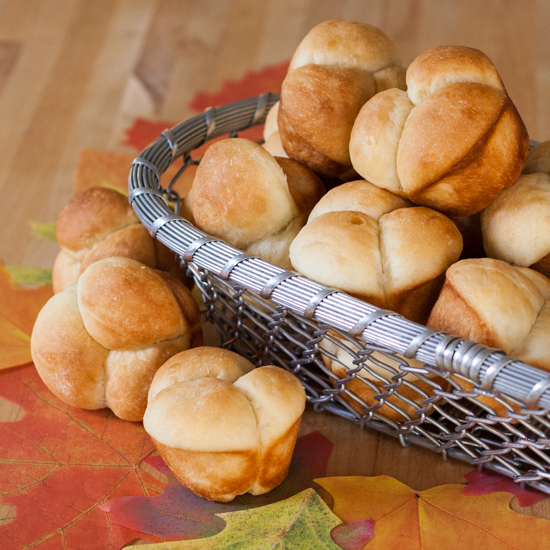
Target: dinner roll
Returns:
[[98, 223], [498, 305], [387, 254], [371, 379], [336, 68], [516, 226], [98, 343], [257, 203], [538, 159], [272, 137], [452, 142], [222, 427]]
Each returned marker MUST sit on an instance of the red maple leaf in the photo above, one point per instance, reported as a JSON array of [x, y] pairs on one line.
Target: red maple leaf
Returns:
[[269, 79], [59, 463], [353, 535], [485, 482], [179, 514]]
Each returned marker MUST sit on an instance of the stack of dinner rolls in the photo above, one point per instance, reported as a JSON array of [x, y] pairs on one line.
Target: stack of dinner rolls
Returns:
[[336, 68], [440, 147]]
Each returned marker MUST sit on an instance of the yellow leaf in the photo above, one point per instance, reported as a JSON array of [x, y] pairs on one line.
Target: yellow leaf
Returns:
[[19, 308], [434, 519], [44, 230], [29, 275]]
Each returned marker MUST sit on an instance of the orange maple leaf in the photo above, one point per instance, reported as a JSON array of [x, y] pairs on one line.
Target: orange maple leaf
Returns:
[[434, 519], [58, 464], [18, 310], [109, 169]]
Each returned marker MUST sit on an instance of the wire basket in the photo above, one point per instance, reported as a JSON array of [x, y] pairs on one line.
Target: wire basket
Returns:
[[368, 365]]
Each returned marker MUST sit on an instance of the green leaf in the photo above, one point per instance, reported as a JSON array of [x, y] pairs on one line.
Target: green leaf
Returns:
[[44, 230], [29, 275], [302, 522], [108, 185]]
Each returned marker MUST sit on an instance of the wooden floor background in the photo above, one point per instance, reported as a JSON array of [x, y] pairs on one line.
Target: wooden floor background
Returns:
[[75, 73]]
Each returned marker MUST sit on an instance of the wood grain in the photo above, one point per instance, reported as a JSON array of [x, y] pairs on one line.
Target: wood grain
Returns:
[[75, 73]]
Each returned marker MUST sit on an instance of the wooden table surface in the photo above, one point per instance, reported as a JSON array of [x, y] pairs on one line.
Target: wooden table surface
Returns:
[[75, 73]]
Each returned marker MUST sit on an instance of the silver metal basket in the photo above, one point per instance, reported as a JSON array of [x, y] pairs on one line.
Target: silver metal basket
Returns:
[[462, 400]]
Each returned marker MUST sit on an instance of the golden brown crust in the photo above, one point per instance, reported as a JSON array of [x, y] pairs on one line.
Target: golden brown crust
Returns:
[[132, 242], [275, 461], [395, 262], [90, 216], [498, 305], [166, 260], [129, 373], [120, 301], [240, 193], [65, 272], [315, 97], [359, 196], [200, 362], [457, 148], [538, 159], [297, 148], [117, 372], [516, 226], [304, 185], [444, 65], [99, 223], [453, 315], [214, 476], [346, 44], [336, 68], [494, 163], [542, 266], [255, 202], [380, 123], [441, 131], [341, 250], [417, 302], [226, 428], [67, 358]]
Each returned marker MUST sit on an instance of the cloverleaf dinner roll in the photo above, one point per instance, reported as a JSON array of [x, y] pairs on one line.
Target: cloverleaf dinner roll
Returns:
[[336, 68], [377, 249], [271, 135], [378, 371], [98, 343], [223, 427], [452, 141], [516, 226], [498, 305], [98, 223], [253, 201], [538, 159]]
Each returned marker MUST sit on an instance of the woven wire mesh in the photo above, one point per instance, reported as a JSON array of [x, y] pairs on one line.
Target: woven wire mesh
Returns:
[[367, 365]]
